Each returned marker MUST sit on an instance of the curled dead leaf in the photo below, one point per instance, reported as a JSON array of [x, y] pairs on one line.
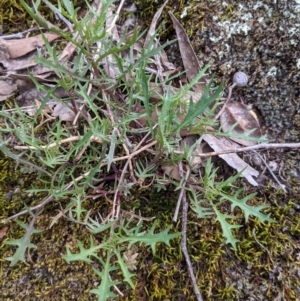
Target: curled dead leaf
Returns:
[[236, 112]]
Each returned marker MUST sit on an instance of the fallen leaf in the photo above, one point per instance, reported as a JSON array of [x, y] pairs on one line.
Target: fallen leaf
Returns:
[[236, 112], [4, 56], [20, 47], [189, 58], [61, 110], [18, 64], [7, 89], [172, 171], [28, 78], [232, 159], [3, 232]]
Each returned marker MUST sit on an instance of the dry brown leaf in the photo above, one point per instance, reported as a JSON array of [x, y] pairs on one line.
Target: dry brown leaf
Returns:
[[233, 160], [20, 63], [24, 85], [189, 58], [237, 112], [7, 89], [3, 232], [61, 110], [172, 171], [43, 72], [4, 58], [18, 48]]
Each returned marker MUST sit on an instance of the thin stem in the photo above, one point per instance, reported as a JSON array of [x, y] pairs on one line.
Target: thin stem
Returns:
[[226, 101], [184, 247], [18, 159]]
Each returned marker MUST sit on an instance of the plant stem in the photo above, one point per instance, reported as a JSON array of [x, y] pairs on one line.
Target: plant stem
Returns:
[[18, 159]]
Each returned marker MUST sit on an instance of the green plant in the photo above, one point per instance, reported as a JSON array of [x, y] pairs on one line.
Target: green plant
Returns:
[[212, 202], [114, 246], [110, 139]]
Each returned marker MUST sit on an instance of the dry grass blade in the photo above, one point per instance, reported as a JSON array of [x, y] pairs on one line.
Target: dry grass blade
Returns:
[[152, 30]]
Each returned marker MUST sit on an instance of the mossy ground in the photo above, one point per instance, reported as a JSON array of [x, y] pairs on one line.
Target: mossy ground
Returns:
[[266, 265]]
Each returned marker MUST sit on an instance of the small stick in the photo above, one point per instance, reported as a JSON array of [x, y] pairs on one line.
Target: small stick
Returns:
[[272, 173], [19, 35], [182, 191], [184, 247], [247, 148], [113, 23], [55, 144], [226, 101]]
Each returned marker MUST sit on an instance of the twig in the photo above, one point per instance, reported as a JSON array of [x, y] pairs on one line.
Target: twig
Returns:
[[253, 232], [19, 35], [271, 172], [133, 154], [18, 158], [247, 148], [182, 191], [226, 101], [55, 144], [39, 206], [184, 247], [117, 14]]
